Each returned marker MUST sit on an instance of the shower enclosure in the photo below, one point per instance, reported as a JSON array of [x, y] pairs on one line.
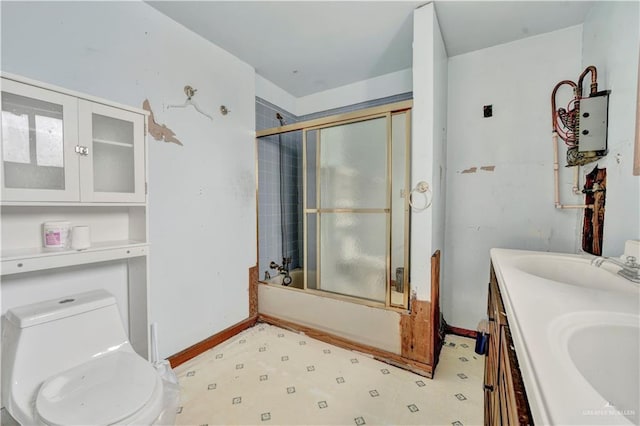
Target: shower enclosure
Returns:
[[351, 204]]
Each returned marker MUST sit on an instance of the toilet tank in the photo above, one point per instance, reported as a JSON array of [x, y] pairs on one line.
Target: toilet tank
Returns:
[[46, 338]]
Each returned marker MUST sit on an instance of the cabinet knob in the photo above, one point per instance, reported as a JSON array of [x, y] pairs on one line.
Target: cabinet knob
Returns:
[[82, 150]]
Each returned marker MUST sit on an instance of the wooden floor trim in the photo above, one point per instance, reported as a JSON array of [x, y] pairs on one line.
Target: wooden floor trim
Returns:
[[461, 332], [379, 354], [210, 342]]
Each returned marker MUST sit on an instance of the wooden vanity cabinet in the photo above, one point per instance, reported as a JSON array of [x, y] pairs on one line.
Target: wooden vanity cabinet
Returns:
[[505, 399]]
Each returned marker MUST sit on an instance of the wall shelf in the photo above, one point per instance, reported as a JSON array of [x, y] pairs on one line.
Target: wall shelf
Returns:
[[35, 259]]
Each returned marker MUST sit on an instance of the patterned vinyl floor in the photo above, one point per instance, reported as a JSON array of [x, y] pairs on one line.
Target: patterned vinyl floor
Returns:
[[270, 376]]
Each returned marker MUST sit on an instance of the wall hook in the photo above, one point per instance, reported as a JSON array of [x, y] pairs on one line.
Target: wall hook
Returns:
[[190, 92]]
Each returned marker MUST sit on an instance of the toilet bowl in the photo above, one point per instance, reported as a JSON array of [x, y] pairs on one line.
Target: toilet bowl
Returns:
[[68, 362]]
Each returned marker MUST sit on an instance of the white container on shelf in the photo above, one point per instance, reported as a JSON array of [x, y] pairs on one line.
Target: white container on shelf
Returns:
[[56, 234], [80, 237]]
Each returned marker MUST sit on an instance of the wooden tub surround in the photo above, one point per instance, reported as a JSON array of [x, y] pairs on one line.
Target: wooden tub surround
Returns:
[[419, 328]]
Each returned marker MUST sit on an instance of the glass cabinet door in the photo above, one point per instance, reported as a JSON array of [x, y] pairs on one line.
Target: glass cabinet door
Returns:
[[112, 167], [39, 134]]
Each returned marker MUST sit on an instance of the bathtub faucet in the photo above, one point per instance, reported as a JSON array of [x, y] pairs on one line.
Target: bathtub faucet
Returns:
[[282, 269], [630, 269]]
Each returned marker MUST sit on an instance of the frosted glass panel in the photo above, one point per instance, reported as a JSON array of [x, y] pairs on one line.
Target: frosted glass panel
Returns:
[[49, 149], [32, 143], [353, 254], [113, 156], [15, 137], [113, 168], [353, 165], [112, 129]]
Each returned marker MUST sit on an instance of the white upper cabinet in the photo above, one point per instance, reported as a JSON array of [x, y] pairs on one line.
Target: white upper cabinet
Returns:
[[112, 142], [39, 135], [62, 148]]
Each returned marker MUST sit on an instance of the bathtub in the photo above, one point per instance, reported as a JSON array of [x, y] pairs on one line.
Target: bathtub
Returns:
[[297, 279]]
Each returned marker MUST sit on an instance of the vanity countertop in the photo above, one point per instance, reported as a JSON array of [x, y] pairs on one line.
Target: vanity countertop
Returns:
[[575, 328]]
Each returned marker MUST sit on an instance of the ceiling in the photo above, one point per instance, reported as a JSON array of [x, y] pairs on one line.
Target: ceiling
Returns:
[[306, 47]]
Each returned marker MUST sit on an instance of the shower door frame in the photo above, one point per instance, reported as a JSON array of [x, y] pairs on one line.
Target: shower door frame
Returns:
[[384, 111]]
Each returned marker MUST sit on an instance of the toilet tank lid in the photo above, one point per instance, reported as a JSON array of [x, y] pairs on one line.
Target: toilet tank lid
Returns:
[[54, 309]]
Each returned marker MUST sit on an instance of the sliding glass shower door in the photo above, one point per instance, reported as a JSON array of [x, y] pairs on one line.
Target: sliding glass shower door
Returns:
[[344, 200], [348, 208]]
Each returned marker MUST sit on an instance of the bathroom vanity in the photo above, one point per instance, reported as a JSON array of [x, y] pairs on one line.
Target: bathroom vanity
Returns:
[[564, 344], [505, 395]]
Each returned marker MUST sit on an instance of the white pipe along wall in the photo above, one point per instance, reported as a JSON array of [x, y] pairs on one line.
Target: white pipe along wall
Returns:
[[201, 195]]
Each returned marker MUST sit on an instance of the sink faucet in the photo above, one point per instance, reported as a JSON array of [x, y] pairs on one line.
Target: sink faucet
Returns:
[[630, 269]]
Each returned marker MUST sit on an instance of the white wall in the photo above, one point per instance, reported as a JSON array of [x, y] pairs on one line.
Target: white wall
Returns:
[[611, 42], [202, 195], [439, 172], [275, 94], [511, 206], [374, 88], [427, 144], [366, 90]]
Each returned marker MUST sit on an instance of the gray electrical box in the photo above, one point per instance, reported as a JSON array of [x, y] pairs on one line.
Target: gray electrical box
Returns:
[[592, 131]]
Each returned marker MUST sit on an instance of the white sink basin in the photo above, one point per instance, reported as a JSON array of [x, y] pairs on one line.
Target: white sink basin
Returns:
[[603, 348], [574, 270], [576, 331]]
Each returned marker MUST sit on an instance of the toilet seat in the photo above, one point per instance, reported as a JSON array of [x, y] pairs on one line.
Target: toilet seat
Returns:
[[110, 389]]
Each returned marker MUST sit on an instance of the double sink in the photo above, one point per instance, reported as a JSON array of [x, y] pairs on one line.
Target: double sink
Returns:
[[576, 329]]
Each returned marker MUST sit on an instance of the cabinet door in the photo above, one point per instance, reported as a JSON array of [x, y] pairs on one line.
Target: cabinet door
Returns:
[[113, 168], [39, 137]]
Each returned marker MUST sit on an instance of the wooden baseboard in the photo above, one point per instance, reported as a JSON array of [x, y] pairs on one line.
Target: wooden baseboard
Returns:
[[461, 332], [210, 342], [379, 354]]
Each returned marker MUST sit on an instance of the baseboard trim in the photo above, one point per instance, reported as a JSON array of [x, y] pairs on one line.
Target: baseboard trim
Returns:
[[210, 342], [417, 367], [461, 332]]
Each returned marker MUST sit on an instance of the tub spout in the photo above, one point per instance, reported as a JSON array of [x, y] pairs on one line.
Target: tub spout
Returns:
[[629, 269]]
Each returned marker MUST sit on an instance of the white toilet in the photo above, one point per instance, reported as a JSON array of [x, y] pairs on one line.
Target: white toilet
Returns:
[[69, 362]]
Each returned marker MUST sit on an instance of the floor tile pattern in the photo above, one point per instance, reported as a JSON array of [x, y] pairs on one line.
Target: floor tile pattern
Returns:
[[270, 376]]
